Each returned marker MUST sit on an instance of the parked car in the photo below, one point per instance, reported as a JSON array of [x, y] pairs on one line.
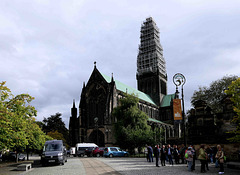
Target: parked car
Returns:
[[73, 151], [82, 147], [11, 156], [68, 153], [98, 151], [114, 152], [88, 151], [54, 152]]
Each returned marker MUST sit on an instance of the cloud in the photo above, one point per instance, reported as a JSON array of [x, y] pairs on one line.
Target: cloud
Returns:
[[48, 47]]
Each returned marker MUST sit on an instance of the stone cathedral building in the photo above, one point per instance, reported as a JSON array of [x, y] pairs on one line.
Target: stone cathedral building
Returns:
[[101, 94]]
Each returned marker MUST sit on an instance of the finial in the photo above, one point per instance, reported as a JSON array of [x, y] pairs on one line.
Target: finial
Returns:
[[112, 77], [73, 103], [95, 64]]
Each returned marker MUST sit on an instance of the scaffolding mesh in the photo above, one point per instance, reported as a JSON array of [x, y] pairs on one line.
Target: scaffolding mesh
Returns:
[[150, 56]]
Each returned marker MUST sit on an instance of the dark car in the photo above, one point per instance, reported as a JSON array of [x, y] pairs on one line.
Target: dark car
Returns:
[[98, 151], [11, 156], [88, 151], [54, 152]]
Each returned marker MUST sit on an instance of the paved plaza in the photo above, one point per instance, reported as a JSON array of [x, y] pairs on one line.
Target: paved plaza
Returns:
[[139, 166], [109, 166]]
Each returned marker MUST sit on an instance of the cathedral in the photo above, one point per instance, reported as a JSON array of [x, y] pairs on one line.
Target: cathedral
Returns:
[[101, 94]]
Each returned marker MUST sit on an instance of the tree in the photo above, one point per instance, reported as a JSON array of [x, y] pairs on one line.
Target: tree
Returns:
[[54, 123], [56, 135], [214, 93], [131, 129], [234, 92], [17, 128]]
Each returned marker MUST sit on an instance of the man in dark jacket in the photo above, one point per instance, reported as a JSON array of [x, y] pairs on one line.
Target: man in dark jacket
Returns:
[[156, 154], [170, 153], [150, 154], [163, 155]]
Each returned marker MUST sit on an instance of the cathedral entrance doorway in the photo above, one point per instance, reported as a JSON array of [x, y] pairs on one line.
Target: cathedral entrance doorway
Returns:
[[97, 137]]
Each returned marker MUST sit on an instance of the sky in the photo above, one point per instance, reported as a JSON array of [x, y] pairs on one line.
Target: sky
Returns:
[[48, 47]]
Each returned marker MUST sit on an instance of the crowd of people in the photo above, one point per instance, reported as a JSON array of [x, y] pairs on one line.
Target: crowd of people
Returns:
[[187, 155]]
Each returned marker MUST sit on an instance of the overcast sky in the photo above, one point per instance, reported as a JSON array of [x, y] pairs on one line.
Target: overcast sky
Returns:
[[48, 47]]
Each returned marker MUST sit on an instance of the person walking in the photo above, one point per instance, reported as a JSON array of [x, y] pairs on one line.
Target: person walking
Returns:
[[202, 158], [163, 155], [182, 153], [189, 158], [176, 154], [146, 151], [150, 153], [208, 152], [169, 153], [220, 158], [156, 154], [194, 157]]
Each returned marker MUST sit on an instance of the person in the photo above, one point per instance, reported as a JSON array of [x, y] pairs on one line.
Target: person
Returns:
[[194, 157], [182, 153], [163, 155], [202, 158], [220, 158], [189, 158], [169, 153], [146, 151], [207, 156], [210, 154], [214, 156], [156, 154], [150, 154], [176, 154]]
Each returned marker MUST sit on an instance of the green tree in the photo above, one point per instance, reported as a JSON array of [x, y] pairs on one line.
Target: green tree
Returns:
[[131, 129], [17, 128], [234, 92], [55, 123], [214, 93], [36, 137], [56, 135]]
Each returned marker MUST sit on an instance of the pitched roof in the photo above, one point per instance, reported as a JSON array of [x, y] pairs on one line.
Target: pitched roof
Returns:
[[157, 121], [125, 88], [166, 101]]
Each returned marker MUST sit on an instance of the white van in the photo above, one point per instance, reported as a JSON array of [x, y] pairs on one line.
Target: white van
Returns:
[[83, 149], [73, 151]]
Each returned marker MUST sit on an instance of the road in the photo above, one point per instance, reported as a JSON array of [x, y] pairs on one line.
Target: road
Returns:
[[111, 166]]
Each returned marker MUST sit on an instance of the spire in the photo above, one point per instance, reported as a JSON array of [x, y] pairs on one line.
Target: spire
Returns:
[[84, 84], [95, 64], [74, 103], [112, 78]]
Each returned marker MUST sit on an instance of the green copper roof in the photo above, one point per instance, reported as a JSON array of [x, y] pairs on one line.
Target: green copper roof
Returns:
[[155, 121], [167, 100], [125, 88]]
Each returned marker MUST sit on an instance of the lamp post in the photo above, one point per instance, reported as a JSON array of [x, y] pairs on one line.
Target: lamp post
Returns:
[[179, 80], [96, 125]]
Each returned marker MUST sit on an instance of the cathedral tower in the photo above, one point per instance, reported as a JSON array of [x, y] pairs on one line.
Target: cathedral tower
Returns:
[[151, 66], [73, 126]]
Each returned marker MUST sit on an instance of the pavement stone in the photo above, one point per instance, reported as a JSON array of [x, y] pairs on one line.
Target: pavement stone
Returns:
[[109, 166], [139, 166]]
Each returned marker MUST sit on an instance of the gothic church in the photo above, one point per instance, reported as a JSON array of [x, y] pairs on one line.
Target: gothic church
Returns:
[[101, 94]]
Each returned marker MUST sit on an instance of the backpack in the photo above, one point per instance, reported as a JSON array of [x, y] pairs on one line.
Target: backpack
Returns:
[[186, 155]]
